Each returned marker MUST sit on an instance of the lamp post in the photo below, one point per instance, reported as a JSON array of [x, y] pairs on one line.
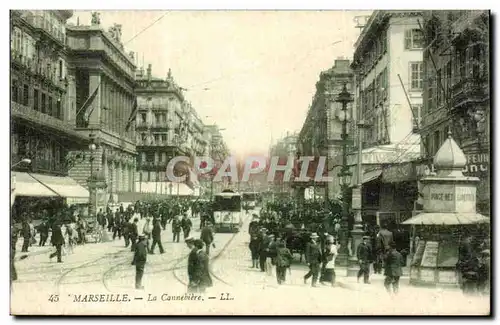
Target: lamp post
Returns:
[[357, 231], [344, 97], [91, 181]]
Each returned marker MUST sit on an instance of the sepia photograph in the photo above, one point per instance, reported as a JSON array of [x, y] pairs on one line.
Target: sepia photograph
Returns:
[[250, 162]]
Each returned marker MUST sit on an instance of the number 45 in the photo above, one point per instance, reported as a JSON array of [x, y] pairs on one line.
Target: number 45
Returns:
[[54, 298]]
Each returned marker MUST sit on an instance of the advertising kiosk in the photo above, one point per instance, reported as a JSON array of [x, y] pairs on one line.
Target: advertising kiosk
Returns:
[[449, 210]]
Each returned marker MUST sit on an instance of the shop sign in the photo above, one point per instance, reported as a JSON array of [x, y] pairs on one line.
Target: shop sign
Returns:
[[374, 157], [398, 173], [477, 165]]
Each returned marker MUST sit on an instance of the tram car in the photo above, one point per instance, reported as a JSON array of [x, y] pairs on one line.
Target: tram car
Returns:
[[227, 211]]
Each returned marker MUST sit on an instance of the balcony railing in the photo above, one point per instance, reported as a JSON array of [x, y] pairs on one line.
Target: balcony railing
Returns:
[[31, 115], [469, 90], [31, 65]]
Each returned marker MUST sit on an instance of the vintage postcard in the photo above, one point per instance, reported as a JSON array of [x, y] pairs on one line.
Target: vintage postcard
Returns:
[[329, 162]]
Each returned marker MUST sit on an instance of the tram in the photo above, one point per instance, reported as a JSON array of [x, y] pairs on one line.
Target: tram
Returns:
[[227, 211]]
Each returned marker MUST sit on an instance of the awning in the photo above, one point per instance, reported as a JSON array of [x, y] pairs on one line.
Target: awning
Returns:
[[447, 219], [371, 175], [28, 186], [64, 186]]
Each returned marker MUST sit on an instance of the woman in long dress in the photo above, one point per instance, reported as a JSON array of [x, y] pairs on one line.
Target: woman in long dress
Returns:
[[330, 254]]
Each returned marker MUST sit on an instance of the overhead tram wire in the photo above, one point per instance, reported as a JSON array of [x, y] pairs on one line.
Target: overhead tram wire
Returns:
[[146, 28]]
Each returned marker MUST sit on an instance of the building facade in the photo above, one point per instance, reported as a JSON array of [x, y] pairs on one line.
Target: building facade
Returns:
[[217, 150], [456, 90], [285, 149], [167, 126], [41, 130], [321, 134], [101, 103], [388, 65]]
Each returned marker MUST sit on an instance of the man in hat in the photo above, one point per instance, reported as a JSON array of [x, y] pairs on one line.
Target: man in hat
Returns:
[[207, 237], [393, 268], [363, 253], [191, 265], [253, 227], [263, 248], [313, 259], [156, 233], [186, 225], [57, 240], [133, 234], [140, 258], [176, 229]]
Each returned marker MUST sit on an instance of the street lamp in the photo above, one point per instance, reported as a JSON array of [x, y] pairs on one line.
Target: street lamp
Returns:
[[92, 183], [344, 97], [22, 161]]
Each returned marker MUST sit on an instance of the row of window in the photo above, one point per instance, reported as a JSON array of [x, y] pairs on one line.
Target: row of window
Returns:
[[376, 92], [155, 157], [36, 99], [49, 22], [150, 176], [470, 62], [376, 49], [156, 138], [24, 48]]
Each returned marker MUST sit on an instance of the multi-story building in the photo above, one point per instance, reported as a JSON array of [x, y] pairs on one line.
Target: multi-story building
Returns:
[[285, 149], [217, 150], [321, 134], [167, 126], [456, 90], [101, 103], [41, 128], [388, 98], [334, 80]]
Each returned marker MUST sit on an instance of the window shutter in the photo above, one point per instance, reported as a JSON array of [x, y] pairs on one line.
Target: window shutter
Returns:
[[408, 39]]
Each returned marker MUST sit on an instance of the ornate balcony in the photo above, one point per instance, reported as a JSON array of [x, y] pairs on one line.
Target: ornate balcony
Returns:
[[469, 91], [36, 117]]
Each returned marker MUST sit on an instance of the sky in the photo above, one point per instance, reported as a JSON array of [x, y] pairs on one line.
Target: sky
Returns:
[[253, 73]]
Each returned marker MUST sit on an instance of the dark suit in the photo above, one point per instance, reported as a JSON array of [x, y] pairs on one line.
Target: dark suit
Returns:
[[313, 258], [134, 233], [140, 258], [157, 237], [364, 254], [393, 270], [176, 230], [57, 239], [191, 269], [263, 248], [207, 237], [201, 275], [186, 225]]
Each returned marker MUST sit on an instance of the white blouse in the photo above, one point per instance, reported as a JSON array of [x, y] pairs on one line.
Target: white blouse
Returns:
[[334, 251]]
